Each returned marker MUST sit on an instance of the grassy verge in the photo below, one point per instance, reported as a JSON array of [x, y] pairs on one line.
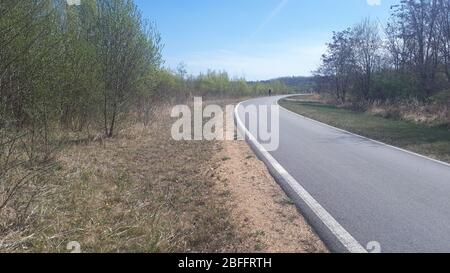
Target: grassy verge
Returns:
[[144, 192], [430, 141], [139, 192]]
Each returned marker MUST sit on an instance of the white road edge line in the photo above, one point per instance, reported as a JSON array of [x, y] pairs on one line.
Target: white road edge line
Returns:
[[344, 237], [363, 137]]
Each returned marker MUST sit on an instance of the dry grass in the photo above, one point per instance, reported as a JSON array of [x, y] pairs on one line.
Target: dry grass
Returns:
[[144, 192], [140, 192], [435, 112]]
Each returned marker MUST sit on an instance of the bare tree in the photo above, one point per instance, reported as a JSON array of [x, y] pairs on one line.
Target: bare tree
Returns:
[[419, 33], [444, 34], [366, 45], [339, 64]]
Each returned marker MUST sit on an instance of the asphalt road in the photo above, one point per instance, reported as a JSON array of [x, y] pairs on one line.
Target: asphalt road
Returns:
[[374, 192]]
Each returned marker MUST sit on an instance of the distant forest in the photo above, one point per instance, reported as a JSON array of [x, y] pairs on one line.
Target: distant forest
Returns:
[[295, 84]]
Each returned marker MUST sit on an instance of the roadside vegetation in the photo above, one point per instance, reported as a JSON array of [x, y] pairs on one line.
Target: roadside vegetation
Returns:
[[432, 141], [390, 83], [133, 193], [396, 68], [81, 89]]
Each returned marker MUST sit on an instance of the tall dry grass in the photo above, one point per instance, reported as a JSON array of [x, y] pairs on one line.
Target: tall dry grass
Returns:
[[138, 192]]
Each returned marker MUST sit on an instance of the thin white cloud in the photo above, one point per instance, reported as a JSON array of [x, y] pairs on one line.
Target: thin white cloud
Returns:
[[269, 18], [374, 2]]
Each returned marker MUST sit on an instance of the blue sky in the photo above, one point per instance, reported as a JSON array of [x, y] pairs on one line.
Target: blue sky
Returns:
[[256, 39]]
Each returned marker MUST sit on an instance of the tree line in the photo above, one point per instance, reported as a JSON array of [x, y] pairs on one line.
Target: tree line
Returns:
[[73, 65], [216, 84], [407, 58], [80, 66]]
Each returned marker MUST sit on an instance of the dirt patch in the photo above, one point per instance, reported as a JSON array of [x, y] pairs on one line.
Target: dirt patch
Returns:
[[261, 211]]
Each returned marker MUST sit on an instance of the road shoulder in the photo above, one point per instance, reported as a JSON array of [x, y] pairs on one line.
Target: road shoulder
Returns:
[[260, 209]]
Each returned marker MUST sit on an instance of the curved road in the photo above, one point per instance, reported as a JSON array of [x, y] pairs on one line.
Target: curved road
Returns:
[[359, 193]]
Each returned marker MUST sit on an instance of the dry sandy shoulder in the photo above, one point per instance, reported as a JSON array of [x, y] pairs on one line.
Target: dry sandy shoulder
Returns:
[[259, 208]]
